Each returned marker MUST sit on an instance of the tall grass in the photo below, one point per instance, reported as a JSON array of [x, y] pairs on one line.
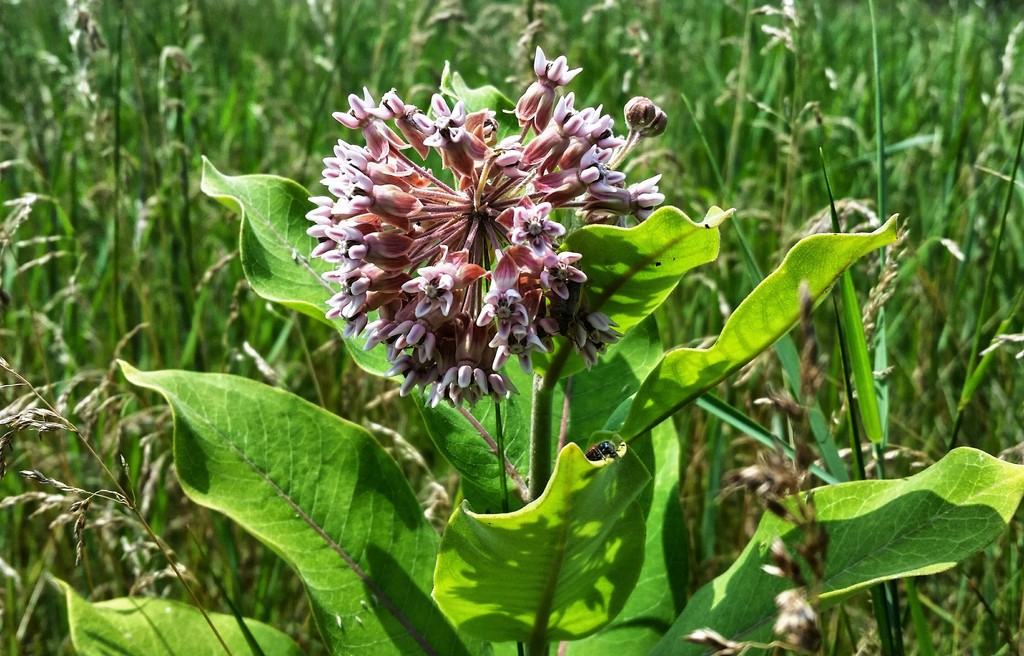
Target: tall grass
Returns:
[[108, 250]]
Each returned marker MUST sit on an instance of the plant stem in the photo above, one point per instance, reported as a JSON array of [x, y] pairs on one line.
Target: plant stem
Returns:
[[500, 437], [540, 437], [540, 421], [540, 457]]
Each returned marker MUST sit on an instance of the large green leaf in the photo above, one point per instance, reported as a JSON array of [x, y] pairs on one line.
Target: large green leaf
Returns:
[[769, 312], [877, 531], [275, 248], [320, 492], [157, 627], [658, 596], [558, 569], [631, 271]]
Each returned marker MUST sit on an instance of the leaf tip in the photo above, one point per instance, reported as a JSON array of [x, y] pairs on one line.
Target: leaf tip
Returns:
[[716, 216]]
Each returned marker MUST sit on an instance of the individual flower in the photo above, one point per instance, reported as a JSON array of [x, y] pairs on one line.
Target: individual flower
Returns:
[[454, 272], [534, 107]]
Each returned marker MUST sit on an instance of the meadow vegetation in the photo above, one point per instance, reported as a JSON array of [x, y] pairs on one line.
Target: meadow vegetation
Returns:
[[109, 250]]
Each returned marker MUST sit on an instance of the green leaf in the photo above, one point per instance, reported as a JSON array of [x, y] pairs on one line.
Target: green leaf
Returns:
[[154, 627], [558, 569], [275, 248], [631, 271], [658, 596], [321, 493], [770, 311], [485, 97], [877, 531]]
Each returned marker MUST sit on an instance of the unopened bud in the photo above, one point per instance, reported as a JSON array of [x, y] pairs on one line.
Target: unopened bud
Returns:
[[640, 112], [645, 117], [657, 127]]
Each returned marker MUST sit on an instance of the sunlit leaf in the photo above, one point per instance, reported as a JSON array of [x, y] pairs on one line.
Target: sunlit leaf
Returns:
[[771, 310], [877, 531], [321, 493], [631, 271], [157, 627], [275, 248], [660, 591], [558, 569]]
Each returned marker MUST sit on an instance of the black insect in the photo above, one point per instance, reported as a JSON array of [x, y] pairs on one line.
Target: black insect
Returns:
[[602, 451]]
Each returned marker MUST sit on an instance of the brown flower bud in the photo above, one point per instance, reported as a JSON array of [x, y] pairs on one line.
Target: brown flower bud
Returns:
[[640, 112], [645, 117], [657, 126]]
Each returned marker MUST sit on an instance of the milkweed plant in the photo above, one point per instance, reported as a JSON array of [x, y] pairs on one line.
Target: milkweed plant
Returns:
[[495, 261]]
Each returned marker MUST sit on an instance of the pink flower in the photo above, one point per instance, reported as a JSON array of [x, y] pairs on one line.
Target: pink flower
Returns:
[[534, 108], [456, 273]]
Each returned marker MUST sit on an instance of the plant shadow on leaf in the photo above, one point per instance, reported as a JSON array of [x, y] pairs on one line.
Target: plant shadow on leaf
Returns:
[[595, 394], [566, 564], [392, 575], [604, 590], [632, 271]]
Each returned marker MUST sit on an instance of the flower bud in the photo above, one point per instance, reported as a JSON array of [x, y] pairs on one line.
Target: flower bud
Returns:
[[645, 117], [658, 126], [639, 112]]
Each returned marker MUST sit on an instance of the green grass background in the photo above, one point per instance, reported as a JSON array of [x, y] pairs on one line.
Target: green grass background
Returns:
[[108, 249]]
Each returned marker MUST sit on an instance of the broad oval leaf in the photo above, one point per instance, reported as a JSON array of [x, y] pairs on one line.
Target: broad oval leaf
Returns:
[[631, 271], [769, 312], [320, 492], [157, 627], [560, 568], [877, 531], [275, 248]]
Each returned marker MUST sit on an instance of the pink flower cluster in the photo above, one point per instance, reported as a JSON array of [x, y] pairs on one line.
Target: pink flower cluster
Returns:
[[466, 273]]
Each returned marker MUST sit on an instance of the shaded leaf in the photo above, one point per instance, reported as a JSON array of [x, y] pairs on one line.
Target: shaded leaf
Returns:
[[485, 97], [320, 492], [558, 569], [771, 310], [156, 627], [595, 395], [471, 455], [877, 530]]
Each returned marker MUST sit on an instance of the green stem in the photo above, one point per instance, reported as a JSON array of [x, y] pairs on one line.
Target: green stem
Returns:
[[500, 438], [540, 437], [540, 456], [540, 421]]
